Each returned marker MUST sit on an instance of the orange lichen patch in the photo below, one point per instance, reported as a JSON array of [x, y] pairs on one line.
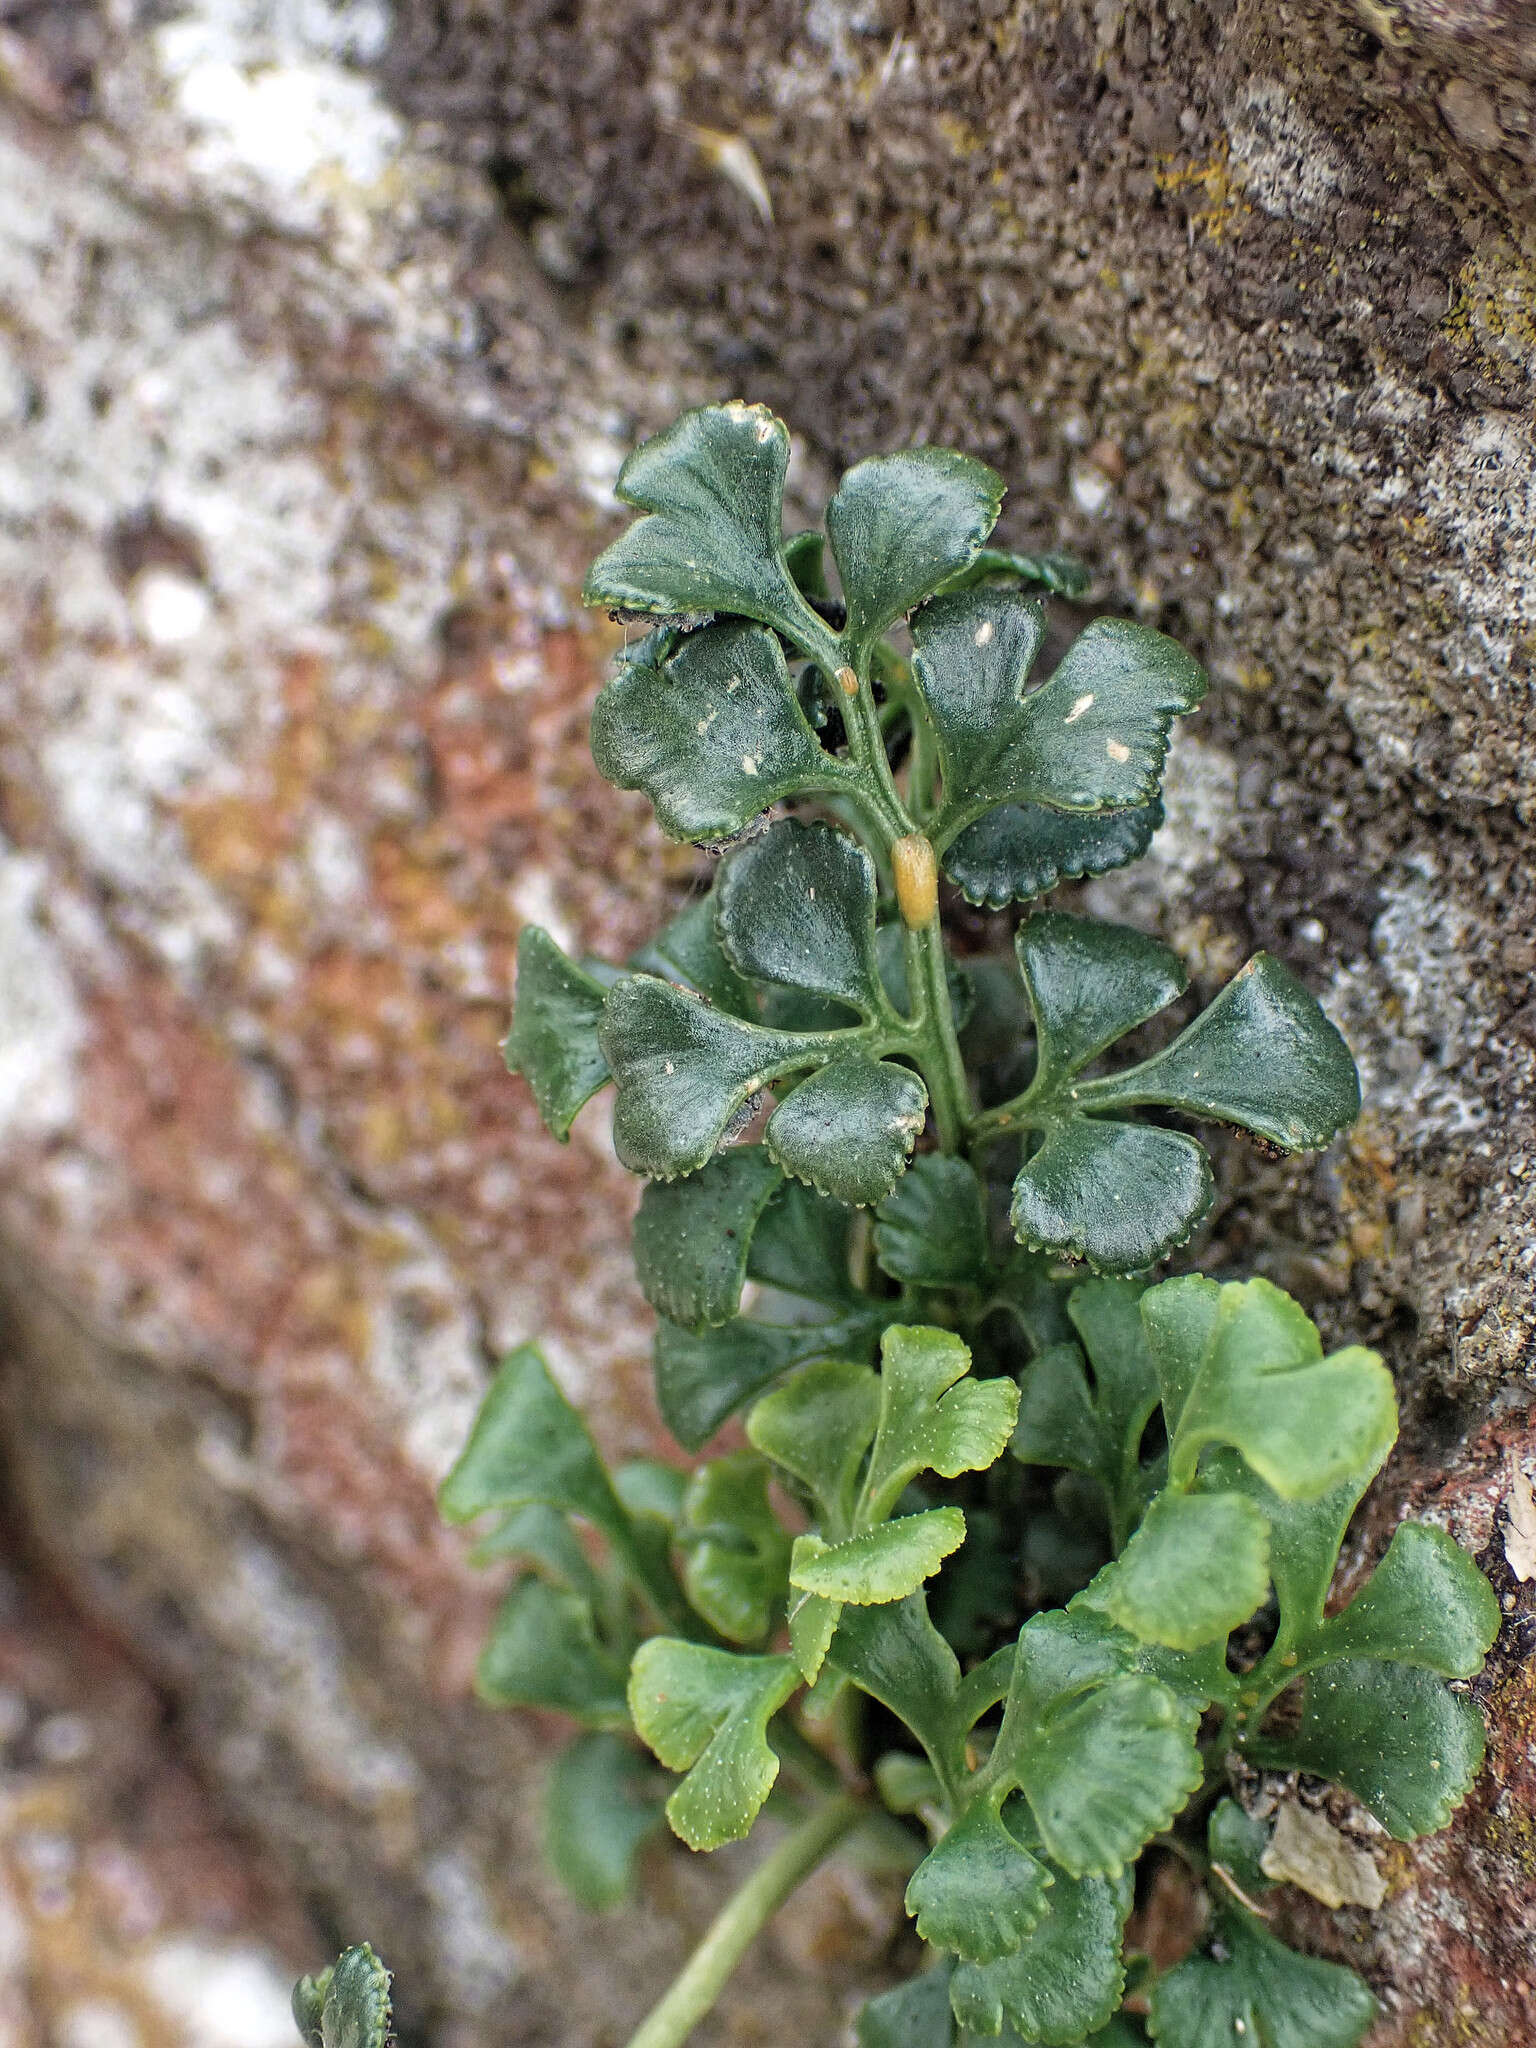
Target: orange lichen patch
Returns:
[[221, 1247], [1212, 194], [384, 867], [193, 1236], [245, 840], [1369, 1169]]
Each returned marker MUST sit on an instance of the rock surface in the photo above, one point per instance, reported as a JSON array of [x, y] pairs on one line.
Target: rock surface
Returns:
[[129, 1916], [324, 331]]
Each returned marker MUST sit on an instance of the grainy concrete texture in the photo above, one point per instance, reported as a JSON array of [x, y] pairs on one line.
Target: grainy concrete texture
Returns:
[[323, 330]]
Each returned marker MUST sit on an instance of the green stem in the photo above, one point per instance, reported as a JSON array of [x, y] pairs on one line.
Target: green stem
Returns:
[[938, 1052], [655, 1583], [1007, 1118], [867, 742], [1268, 1680], [1243, 1719], [943, 1067], [923, 772], [742, 1919]]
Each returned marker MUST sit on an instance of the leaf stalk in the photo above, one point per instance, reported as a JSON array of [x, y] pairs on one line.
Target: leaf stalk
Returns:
[[742, 1919]]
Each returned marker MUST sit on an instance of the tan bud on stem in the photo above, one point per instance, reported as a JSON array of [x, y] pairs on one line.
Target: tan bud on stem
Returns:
[[917, 880], [849, 681]]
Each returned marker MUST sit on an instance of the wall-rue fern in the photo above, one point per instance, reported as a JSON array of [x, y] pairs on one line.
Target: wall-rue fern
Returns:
[[1022, 1553]]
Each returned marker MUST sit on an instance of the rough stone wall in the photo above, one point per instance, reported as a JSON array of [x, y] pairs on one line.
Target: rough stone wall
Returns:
[[129, 1915], [322, 332]]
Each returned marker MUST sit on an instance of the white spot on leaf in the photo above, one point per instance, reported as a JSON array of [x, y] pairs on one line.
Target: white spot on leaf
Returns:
[[1084, 703], [984, 633], [1117, 750]]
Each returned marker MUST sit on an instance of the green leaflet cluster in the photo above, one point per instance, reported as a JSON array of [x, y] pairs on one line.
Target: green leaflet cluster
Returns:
[[346, 2005], [1117, 1711], [803, 975], [1011, 1545]]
